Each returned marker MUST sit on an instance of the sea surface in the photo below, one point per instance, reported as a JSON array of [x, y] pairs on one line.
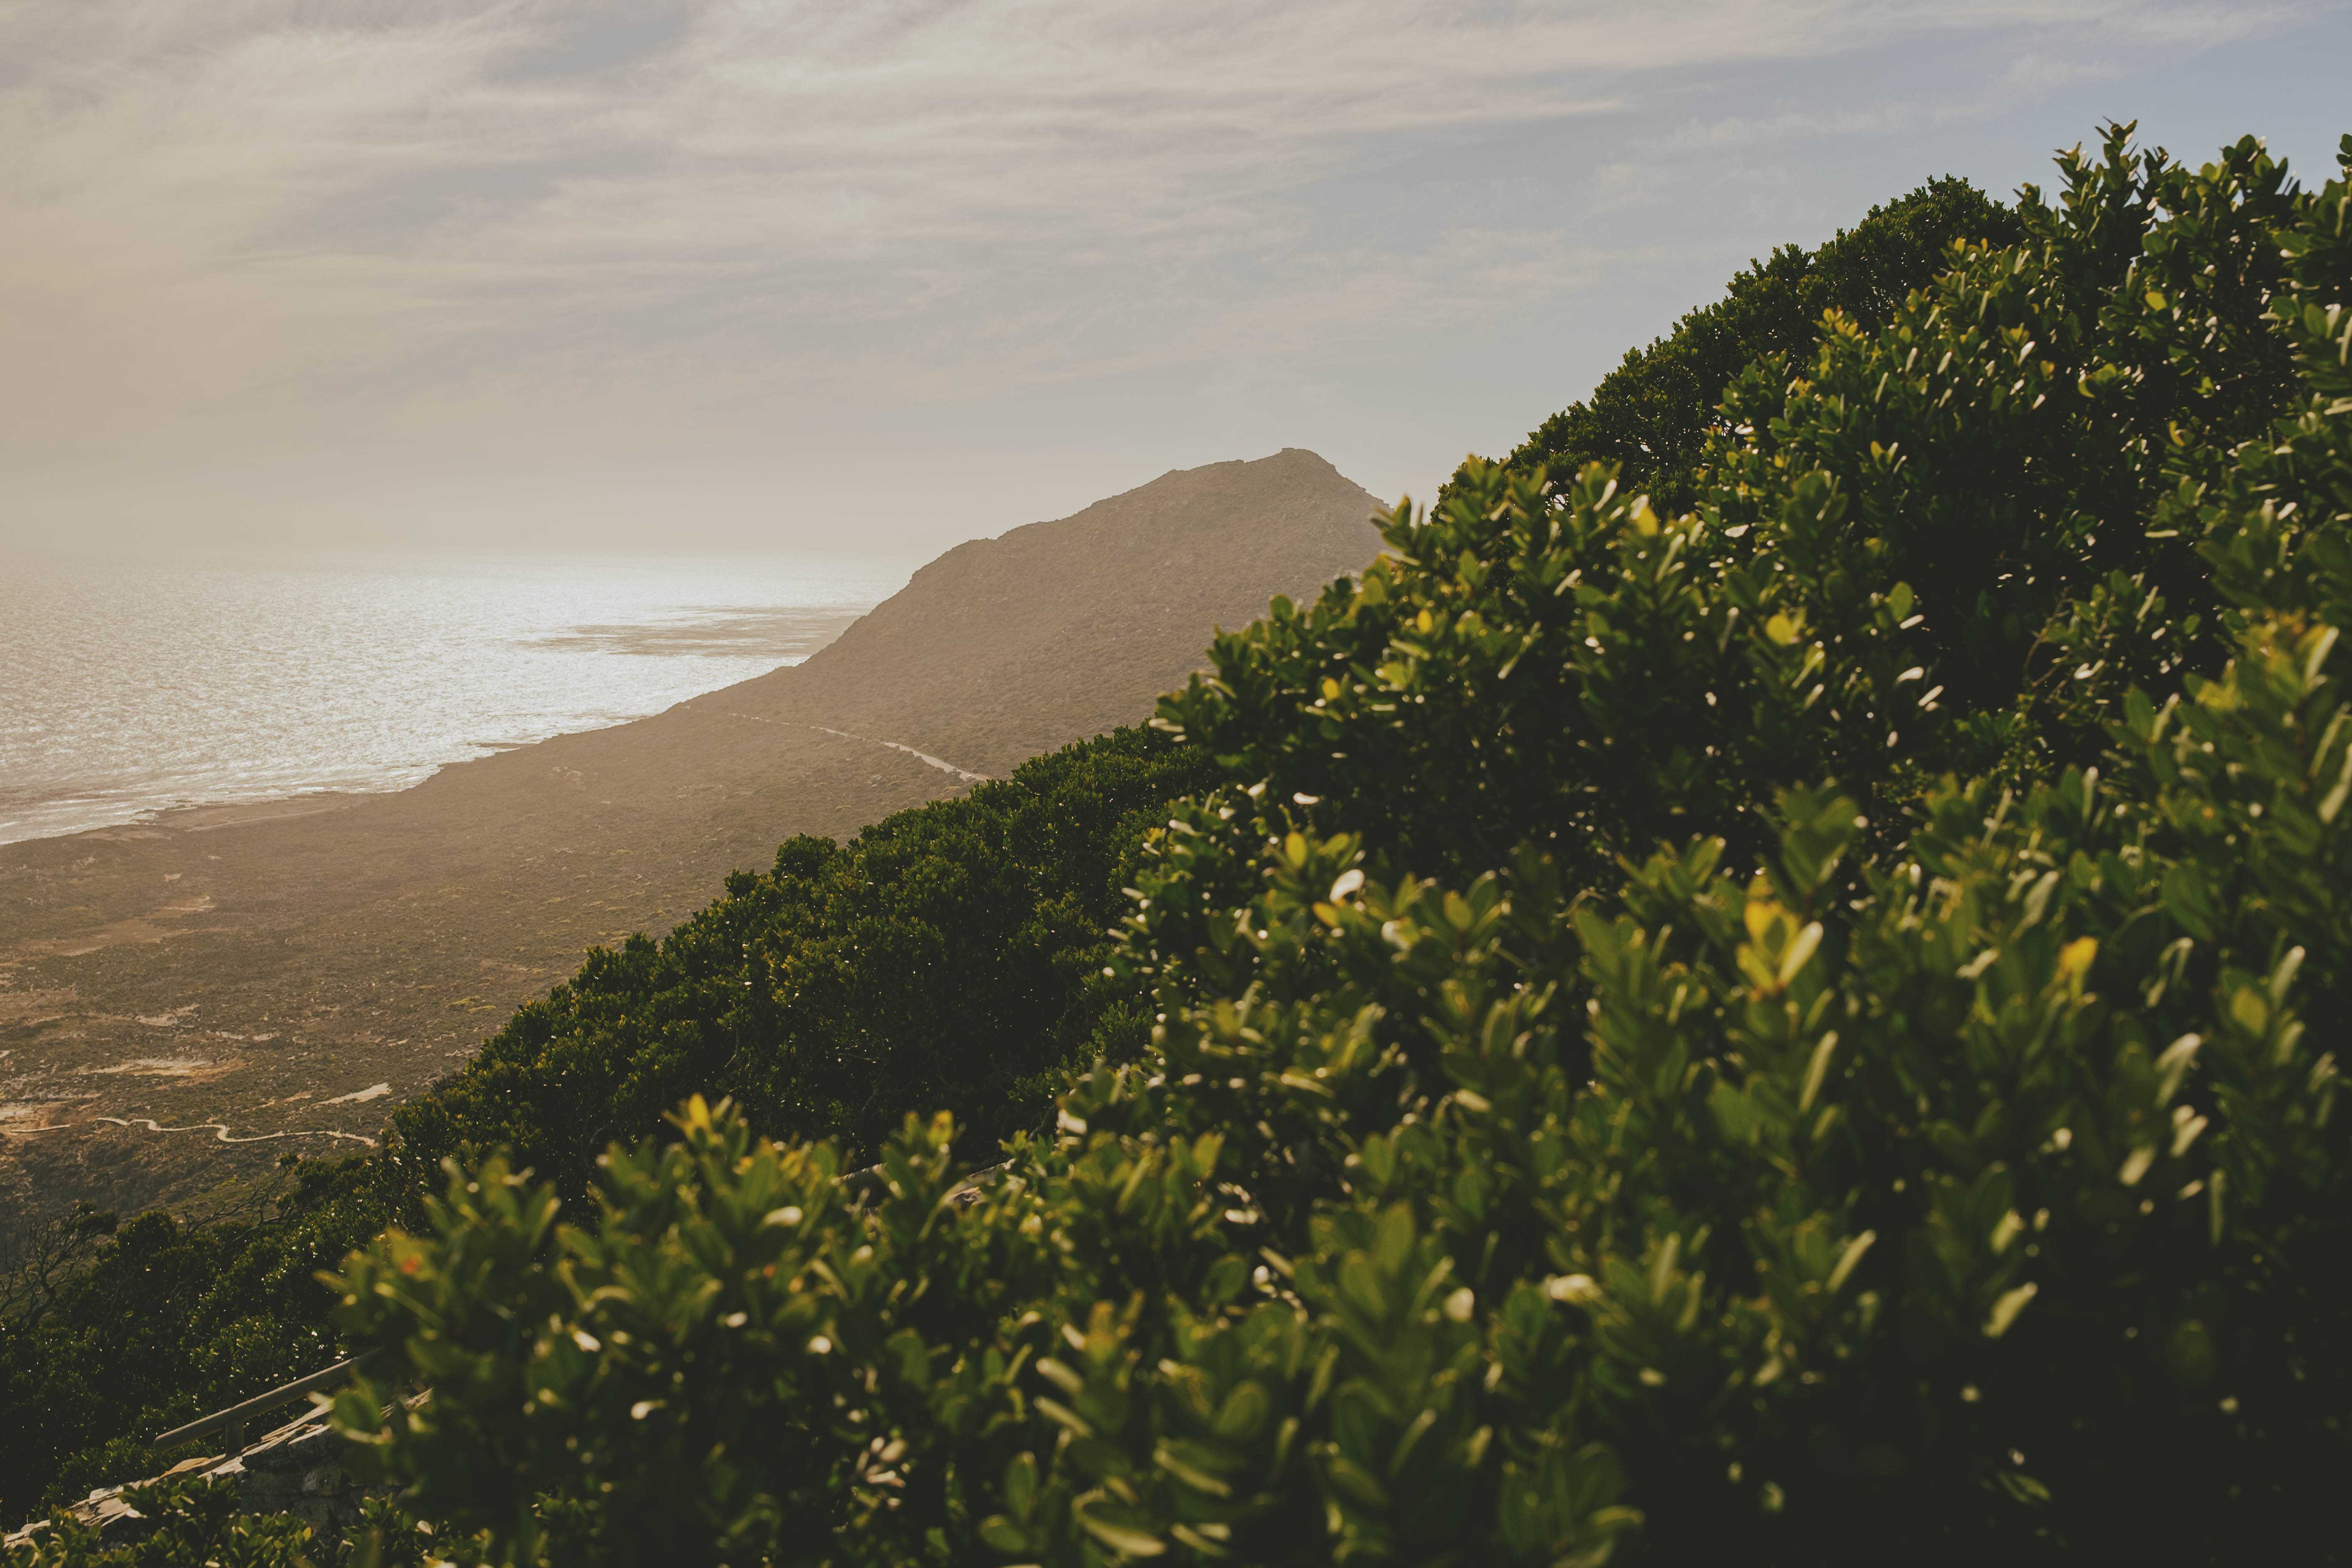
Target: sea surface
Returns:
[[130, 687]]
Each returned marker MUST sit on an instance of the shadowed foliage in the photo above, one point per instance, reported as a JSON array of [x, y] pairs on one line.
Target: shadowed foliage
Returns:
[[949, 955]]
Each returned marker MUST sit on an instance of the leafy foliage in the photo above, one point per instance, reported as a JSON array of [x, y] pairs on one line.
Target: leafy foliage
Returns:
[[195, 1524], [949, 957], [951, 954], [1804, 1026], [1652, 415], [1583, 675], [164, 1322]]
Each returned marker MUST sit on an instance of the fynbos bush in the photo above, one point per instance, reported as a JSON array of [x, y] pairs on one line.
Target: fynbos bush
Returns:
[[1861, 1084]]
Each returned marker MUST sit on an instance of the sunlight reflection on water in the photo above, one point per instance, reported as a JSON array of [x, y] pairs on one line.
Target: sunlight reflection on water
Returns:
[[126, 688]]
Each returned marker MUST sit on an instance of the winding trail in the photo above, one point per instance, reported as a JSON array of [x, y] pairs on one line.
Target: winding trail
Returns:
[[219, 1131], [966, 774]]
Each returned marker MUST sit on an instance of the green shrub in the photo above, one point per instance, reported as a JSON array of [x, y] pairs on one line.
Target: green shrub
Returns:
[[164, 1322], [951, 955], [1652, 415], [1805, 1027], [195, 1524], [1867, 593]]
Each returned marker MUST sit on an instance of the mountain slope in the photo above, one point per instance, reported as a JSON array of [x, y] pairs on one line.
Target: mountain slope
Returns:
[[1051, 632], [246, 974]]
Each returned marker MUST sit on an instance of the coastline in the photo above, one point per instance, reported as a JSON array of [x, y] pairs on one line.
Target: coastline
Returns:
[[207, 818], [136, 690], [184, 998]]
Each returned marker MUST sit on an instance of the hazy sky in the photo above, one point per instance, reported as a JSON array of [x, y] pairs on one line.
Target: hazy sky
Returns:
[[880, 276]]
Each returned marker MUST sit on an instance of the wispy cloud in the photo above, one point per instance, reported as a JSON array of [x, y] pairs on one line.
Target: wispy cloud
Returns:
[[284, 211]]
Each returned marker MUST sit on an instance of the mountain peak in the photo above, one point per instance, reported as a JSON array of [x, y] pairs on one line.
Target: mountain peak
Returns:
[[1003, 648]]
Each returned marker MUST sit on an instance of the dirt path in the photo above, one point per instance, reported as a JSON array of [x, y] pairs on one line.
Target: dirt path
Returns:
[[221, 1133], [963, 775]]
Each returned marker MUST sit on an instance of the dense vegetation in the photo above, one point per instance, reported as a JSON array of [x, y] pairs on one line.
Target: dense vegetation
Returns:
[[1799, 1024], [1817, 1111], [118, 1332], [949, 958], [1652, 416], [950, 955]]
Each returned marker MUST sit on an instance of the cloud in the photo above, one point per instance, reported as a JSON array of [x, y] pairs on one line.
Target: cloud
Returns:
[[251, 220]]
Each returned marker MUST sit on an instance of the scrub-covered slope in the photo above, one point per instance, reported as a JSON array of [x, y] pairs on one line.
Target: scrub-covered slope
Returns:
[[1805, 1029], [257, 970]]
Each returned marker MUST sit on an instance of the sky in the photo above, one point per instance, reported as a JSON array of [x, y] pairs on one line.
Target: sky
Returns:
[[717, 275]]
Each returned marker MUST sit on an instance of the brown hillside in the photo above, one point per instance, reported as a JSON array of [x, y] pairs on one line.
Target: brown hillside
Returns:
[[254, 974], [1054, 631]]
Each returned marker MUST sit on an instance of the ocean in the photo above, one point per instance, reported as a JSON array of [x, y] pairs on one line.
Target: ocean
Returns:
[[127, 688]]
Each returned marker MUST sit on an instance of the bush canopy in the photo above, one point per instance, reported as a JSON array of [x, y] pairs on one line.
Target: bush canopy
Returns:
[[1803, 1024]]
